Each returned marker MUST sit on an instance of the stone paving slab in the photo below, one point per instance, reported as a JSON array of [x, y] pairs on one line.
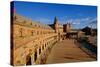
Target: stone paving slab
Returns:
[[67, 51]]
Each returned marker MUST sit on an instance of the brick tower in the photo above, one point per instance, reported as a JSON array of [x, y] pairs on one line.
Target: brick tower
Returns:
[[67, 27]]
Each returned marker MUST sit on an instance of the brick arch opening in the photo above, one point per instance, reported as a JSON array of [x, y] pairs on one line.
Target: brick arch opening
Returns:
[[28, 60]]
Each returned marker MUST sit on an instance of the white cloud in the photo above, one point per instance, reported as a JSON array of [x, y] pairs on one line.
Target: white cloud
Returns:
[[80, 20], [77, 21], [43, 20], [93, 21], [85, 19], [73, 21]]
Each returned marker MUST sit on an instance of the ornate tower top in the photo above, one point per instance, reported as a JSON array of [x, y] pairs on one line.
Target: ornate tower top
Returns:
[[55, 20], [55, 24]]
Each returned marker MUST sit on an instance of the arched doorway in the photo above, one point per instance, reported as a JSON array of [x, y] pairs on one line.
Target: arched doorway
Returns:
[[35, 56], [28, 60]]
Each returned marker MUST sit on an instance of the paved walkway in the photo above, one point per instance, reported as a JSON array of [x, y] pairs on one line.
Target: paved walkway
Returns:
[[67, 51]]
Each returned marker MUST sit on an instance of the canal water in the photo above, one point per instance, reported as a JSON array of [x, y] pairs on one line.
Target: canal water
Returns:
[[90, 47]]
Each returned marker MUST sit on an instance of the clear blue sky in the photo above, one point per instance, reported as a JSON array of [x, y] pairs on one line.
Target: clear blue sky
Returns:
[[79, 16]]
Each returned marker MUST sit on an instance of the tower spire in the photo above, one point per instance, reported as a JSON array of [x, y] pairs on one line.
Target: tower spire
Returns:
[[55, 24], [55, 20]]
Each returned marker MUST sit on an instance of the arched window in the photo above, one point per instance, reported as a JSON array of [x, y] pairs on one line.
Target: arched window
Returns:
[[32, 33], [28, 60], [20, 31], [35, 56], [39, 50], [43, 47]]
